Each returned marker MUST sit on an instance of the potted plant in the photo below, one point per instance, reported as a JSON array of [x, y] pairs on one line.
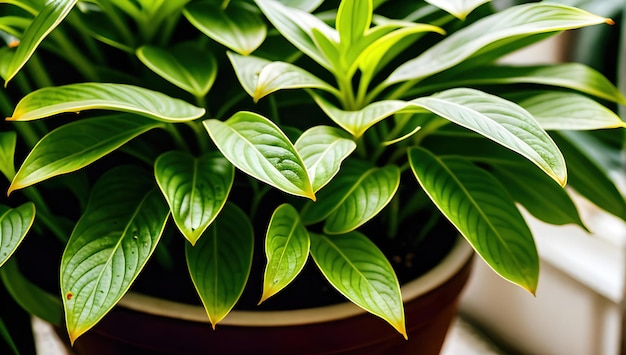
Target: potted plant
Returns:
[[270, 131]]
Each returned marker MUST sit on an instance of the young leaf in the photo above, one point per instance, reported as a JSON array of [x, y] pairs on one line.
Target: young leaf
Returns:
[[78, 144], [459, 8], [46, 20], [259, 148], [219, 264], [8, 141], [354, 17], [89, 96], [185, 65], [196, 189], [362, 273], [517, 21], [110, 245], [483, 212], [280, 75], [287, 249], [14, 224], [236, 27], [322, 149]]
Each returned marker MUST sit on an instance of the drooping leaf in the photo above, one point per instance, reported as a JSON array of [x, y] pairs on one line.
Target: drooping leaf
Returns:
[[185, 65], [14, 224], [483, 212], [89, 96], [196, 189], [259, 148], [458, 8], [111, 243], [8, 141], [78, 144], [235, 27], [220, 262], [362, 273], [515, 22], [46, 20], [323, 149], [287, 249]]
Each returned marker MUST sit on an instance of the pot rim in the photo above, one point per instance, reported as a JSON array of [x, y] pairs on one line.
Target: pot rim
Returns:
[[449, 265]]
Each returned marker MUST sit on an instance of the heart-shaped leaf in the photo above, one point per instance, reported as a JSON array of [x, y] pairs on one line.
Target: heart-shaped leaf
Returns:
[[78, 144], [219, 264], [259, 148], [185, 65], [362, 273], [196, 189], [110, 245], [287, 249], [322, 149], [236, 27], [483, 211], [14, 224], [89, 96], [458, 8], [8, 141]]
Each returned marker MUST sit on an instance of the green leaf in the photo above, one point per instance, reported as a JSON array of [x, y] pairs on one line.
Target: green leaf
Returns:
[[185, 65], [6, 337], [515, 22], [236, 27], [110, 245], [8, 141], [14, 224], [287, 249], [322, 149], [46, 20], [567, 111], [305, 5], [219, 264], [354, 17], [88, 96], [30, 6], [196, 189], [459, 8], [247, 69], [78, 144], [280, 75], [259, 148], [362, 273], [483, 211]]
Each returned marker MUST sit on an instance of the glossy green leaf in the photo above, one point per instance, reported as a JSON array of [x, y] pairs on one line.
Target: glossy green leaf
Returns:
[[259, 148], [483, 211], [522, 20], [362, 273], [78, 144], [219, 264], [354, 17], [568, 111], [458, 8], [287, 249], [196, 189], [305, 5], [46, 20], [111, 243], [235, 27], [280, 75], [14, 224], [247, 68], [30, 6], [89, 96], [8, 140], [185, 65], [323, 149]]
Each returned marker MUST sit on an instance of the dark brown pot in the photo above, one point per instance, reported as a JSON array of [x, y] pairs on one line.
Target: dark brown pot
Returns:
[[147, 325]]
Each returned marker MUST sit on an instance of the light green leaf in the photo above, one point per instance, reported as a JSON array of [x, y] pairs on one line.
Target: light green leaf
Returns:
[[483, 211], [517, 21], [78, 144], [89, 96], [287, 249], [185, 65], [196, 189], [458, 8], [322, 149], [236, 27], [259, 148], [30, 6], [219, 264], [46, 20], [568, 111], [8, 140], [354, 17], [362, 273], [14, 224], [247, 69], [110, 245]]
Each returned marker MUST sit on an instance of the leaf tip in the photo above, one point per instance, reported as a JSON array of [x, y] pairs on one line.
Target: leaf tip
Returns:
[[609, 21]]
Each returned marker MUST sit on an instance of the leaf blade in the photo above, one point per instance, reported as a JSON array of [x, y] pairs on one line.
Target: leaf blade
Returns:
[[14, 224]]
